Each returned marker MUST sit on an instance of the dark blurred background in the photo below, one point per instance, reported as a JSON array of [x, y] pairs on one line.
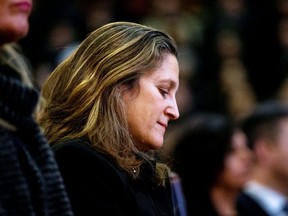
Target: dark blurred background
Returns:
[[232, 53]]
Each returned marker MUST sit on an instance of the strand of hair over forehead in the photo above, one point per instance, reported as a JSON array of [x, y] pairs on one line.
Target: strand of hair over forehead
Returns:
[[130, 41]]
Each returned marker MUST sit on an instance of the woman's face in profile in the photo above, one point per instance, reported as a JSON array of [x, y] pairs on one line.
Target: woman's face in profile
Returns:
[[149, 111], [14, 23]]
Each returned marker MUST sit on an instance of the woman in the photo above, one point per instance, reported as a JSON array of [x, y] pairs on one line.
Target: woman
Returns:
[[213, 161], [105, 111], [30, 182]]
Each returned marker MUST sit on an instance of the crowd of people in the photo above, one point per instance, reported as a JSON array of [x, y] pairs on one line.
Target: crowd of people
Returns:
[[147, 107]]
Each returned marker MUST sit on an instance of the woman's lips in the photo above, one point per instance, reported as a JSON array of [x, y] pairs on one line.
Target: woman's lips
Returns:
[[163, 124], [23, 6]]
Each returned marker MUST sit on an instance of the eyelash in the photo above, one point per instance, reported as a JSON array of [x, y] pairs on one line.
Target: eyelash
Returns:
[[163, 92]]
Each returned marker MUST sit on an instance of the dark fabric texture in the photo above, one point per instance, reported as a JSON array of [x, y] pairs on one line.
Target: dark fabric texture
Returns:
[[247, 206], [201, 206], [96, 186], [30, 181]]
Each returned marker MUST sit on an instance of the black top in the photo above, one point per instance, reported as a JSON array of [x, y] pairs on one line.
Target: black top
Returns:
[[96, 186], [30, 182]]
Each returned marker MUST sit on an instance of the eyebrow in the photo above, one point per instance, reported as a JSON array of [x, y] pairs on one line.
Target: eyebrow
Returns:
[[171, 82]]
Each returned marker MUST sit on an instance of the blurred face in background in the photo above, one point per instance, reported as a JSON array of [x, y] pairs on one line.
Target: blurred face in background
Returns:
[[237, 164], [277, 154], [14, 23]]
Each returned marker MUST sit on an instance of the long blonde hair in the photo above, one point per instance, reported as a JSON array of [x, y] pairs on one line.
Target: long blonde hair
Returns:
[[82, 97]]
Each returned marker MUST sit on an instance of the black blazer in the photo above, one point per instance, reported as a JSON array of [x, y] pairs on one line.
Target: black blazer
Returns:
[[247, 206], [96, 186]]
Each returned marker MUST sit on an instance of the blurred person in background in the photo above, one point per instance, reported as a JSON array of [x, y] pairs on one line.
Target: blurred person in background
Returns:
[[105, 111], [30, 182], [267, 131], [212, 160]]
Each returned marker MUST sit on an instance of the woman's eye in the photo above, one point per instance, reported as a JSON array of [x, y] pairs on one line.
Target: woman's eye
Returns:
[[163, 92]]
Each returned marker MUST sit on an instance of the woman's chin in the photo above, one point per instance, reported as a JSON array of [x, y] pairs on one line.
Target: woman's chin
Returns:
[[17, 29]]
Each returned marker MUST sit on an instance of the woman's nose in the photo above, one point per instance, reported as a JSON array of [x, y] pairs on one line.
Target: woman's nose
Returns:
[[172, 110]]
